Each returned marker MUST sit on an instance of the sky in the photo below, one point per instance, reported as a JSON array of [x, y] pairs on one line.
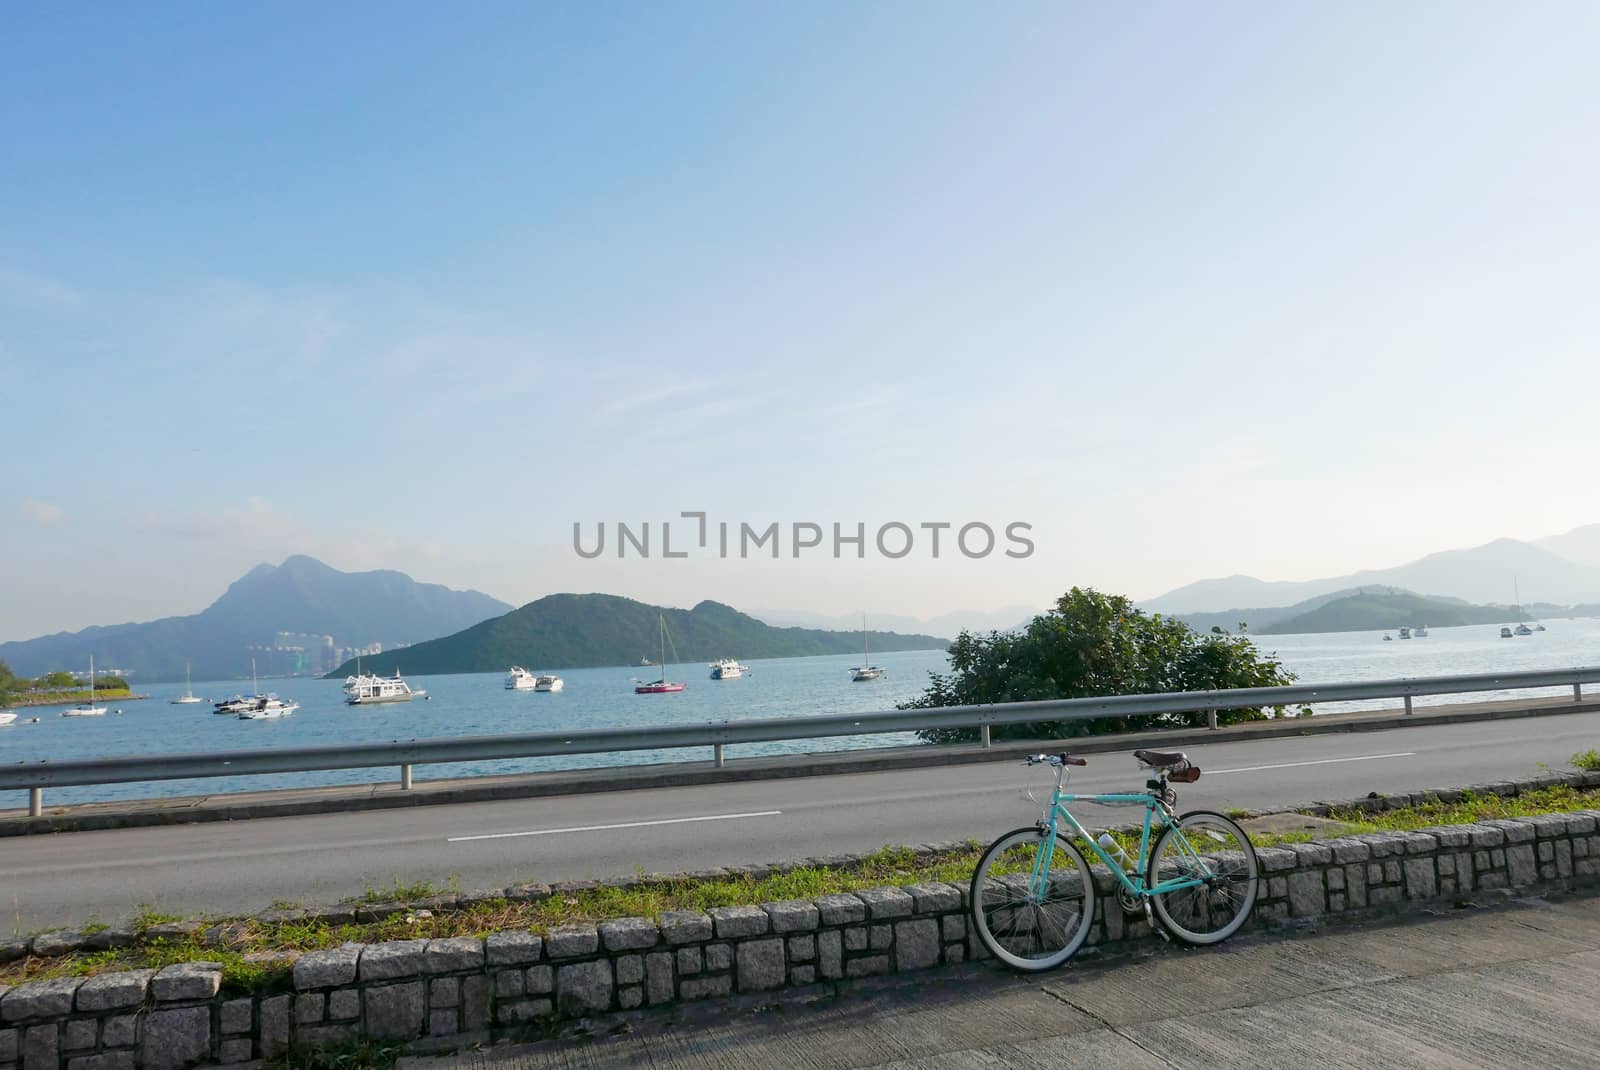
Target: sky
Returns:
[[1191, 290]]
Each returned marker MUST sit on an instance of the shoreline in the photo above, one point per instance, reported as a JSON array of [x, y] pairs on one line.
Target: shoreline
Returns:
[[72, 698]]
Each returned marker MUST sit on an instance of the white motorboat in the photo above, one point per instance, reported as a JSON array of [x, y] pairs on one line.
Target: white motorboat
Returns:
[[6, 717], [188, 695], [268, 707], [727, 669], [1421, 632], [547, 682], [232, 705], [866, 671], [520, 679], [369, 690], [87, 709], [1523, 629], [1505, 632], [1405, 633]]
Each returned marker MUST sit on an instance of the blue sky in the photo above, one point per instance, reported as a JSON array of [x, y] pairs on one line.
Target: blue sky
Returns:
[[1193, 290]]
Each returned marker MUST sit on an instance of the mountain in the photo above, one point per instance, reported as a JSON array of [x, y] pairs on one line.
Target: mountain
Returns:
[[1488, 573], [1580, 544], [951, 624], [577, 631], [1369, 611], [1260, 618], [301, 596]]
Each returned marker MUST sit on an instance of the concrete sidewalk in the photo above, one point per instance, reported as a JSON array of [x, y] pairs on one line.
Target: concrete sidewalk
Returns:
[[1503, 987]]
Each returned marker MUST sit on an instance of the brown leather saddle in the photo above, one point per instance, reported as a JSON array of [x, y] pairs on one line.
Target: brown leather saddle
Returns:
[[1172, 764]]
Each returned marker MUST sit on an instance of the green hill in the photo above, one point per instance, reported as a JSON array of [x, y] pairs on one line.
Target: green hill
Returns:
[[1389, 609], [576, 631]]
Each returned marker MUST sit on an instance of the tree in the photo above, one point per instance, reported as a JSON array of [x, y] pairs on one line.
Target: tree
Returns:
[[1095, 644]]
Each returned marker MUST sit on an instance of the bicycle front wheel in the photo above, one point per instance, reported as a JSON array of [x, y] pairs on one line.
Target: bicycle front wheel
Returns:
[[1032, 899], [1215, 853]]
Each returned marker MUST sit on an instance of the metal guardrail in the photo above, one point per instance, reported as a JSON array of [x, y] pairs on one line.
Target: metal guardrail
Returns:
[[36, 776]]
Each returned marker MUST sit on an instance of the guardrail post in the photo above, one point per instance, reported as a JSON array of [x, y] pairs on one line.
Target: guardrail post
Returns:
[[405, 778], [983, 734], [1408, 705], [1211, 720], [35, 802], [1577, 692], [717, 757]]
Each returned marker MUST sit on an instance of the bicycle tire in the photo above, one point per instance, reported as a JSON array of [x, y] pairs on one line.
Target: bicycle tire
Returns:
[[1194, 917], [1057, 925]]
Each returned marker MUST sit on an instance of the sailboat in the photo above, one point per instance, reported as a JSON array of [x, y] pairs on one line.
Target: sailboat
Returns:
[[188, 695], [1522, 618], [866, 671], [87, 709], [662, 686]]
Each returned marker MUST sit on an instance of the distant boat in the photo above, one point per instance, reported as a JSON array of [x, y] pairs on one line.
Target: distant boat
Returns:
[[1387, 638], [1505, 632], [268, 707], [547, 682], [188, 695], [866, 671], [1421, 632], [1522, 618], [1538, 627], [1405, 633], [87, 709], [520, 679], [6, 717], [727, 669], [662, 686], [370, 690]]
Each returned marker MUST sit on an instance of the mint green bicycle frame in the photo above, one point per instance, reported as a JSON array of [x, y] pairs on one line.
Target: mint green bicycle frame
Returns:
[[1135, 886]]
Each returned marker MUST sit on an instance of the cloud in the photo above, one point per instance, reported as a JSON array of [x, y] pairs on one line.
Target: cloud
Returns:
[[42, 512]]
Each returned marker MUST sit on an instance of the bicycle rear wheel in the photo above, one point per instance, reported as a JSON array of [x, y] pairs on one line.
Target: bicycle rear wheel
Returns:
[[1030, 917], [1214, 851]]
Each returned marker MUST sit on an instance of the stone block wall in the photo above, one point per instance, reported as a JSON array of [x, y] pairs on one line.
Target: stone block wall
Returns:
[[448, 992]]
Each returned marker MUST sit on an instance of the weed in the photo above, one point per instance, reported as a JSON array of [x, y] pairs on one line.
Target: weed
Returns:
[[1588, 760]]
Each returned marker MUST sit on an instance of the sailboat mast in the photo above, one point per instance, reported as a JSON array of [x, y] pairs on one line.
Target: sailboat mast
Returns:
[[91, 679], [661, 633]]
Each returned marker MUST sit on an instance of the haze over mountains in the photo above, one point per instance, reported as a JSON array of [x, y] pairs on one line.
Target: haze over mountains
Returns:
[[1560, 569], [301, 596]]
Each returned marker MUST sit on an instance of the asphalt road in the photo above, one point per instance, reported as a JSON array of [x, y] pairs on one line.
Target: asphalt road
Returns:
[[241, 867]]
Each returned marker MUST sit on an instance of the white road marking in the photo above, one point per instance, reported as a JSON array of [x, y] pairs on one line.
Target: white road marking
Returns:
[[608, 828], [1320, 761]]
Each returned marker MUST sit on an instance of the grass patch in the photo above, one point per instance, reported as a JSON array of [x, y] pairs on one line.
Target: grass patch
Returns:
[[256, 955], [1588, 760]]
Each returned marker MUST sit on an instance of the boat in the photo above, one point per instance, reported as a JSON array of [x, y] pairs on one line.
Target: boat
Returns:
[[1405, 633], [1387, 638], [87, 709], [1505, 632], [369, 690], [547, 682], [188, 695], [268, 707], [1538, 627], [866, 671], [1421, 632], [520, 679], [231, 706], [6, 717], [662, 686], [727, 669], [1522, 618]]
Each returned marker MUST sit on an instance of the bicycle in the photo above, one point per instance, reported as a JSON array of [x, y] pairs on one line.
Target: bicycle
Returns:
[[1033, 893]]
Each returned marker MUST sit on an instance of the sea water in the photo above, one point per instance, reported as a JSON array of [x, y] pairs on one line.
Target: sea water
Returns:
[[478, 704]]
